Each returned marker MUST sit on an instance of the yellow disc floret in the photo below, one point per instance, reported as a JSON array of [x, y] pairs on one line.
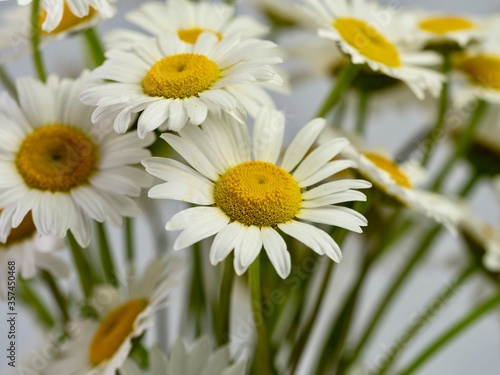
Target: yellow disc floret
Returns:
[[445, 25], [482, 70], [114, 330], [56, 158], [181, 76], [68, 21], [24, 231], [191, 35], [398, 176], [368, 41], [258, 193]]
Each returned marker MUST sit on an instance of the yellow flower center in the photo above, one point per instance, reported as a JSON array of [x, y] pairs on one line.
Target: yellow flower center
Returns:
[[114, 330], [24, 231], [68, 21], [258, 193], [56, 158], [191, 35], [368, 41], [181, 76], [398, 176], [483, 70], [444, 25]]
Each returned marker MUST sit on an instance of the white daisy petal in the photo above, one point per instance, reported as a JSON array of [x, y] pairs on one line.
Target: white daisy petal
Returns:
[[269, 129], [276, 250], [302, 143]]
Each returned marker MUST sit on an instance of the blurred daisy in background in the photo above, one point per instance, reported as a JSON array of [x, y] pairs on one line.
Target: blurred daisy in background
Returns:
[[358, 32], [174, 83], [102, 345], [244, 200], [62, 14], [61, 169], [428, 29], [15, 28], [197, 360], [476, 74], [185, 18], [31, 252], [398, 182]]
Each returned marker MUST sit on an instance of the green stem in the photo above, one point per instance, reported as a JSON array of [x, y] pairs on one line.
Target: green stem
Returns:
[[262, 361], [470, 184], [197, 294], [95, 46], [440, 301], [222, 316], [385, 302], [129, 239], [463, 146], [443, 106], [108, 264], [35, 40], [82, 266], [363, 97], [7, 82], [451, 333], [62, 302], [36, 303], [343, 83]]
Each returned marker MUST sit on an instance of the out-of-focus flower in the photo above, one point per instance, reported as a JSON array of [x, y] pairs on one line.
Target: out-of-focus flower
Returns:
[[476, 74], [101, 346], [358, 32], [196, 361], [15, 28], [428, 29], [399, 182], [57, 15], [185, 18]]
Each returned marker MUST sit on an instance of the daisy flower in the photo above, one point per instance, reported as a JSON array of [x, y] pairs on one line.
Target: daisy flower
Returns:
[[196, 360], [432, 28], [355, 26], [398, 183], [245, 200], [185, 18], [31, 251], [55, 164], [16, 29], [62, 14], [174, 83], [476, 74], [102, 346]]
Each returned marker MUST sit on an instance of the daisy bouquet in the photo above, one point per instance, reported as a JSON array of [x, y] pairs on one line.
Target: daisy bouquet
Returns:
[[171, 204]]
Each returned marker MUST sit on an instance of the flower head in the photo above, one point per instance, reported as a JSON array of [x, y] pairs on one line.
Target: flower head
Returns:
[[58, 15], [245, 200], [102, 345], [359, 34], [172, 83], [185, 18], [59, 168]]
